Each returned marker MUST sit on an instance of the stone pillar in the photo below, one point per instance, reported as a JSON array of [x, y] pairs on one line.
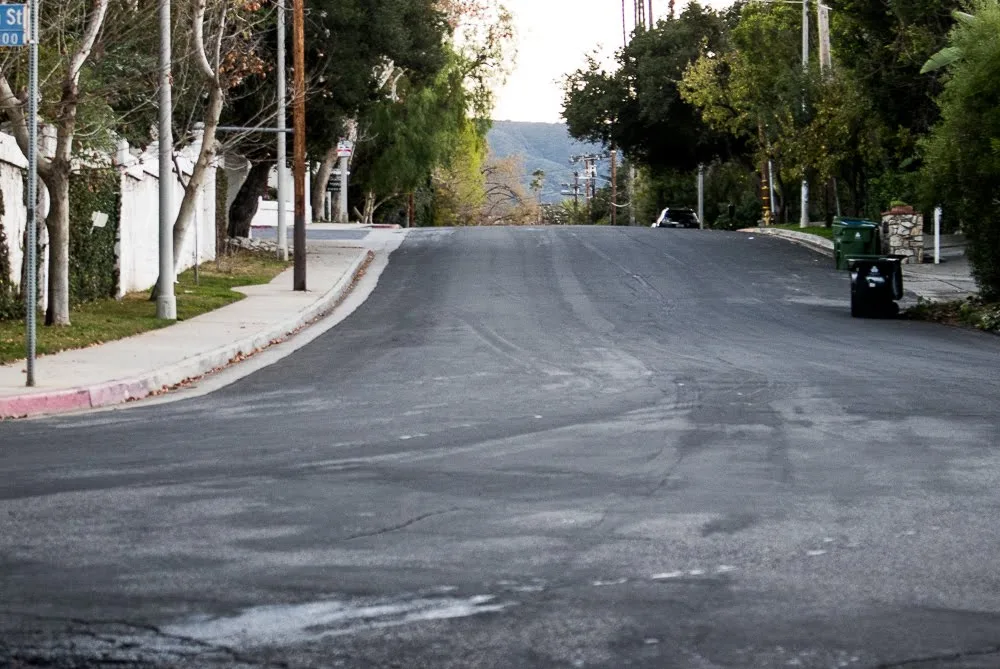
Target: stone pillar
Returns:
[[903, 234]]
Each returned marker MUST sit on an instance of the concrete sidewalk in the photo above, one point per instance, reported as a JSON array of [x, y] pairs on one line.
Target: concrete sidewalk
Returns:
[[153, 362], [950, 280]]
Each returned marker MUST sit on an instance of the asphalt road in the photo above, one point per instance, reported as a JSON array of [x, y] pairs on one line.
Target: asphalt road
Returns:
[[535, 448]]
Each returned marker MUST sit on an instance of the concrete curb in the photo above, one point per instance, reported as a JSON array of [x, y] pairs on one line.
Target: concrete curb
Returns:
[[814, 242], [161, 380], [911, 275]]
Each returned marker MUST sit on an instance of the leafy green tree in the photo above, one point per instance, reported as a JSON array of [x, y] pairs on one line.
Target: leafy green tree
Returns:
[[880, 47], [431, 126], [573, 212], [885, 44], [461, 182], [639, 108], [754, 91], [356, 50], [963, 150], [408, 138]]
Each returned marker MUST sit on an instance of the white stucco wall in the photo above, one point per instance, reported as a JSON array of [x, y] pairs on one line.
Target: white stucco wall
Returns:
[[139, 228], [15, 216], [138, 245]]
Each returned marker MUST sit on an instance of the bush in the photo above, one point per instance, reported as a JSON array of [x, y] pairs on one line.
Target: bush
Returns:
[[963, 151], [93, 264], [972, 311]]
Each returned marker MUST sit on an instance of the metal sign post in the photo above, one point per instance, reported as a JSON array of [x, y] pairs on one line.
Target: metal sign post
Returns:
[[19, 25]]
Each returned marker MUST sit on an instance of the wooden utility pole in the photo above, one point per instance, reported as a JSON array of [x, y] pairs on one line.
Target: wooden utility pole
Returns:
[[576, 194], [614, 185], [588, 185], [624, 29], [299, 149]]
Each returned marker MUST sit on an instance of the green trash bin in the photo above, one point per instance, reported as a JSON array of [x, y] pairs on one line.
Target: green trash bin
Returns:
[[853, 237]]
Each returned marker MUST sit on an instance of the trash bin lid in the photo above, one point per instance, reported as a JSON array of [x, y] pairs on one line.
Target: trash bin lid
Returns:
[[854, 223]]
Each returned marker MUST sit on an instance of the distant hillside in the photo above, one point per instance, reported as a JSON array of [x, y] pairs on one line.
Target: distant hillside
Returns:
[[544, 146]]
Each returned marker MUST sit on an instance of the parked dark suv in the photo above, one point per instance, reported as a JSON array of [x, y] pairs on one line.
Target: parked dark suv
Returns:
[[677, 217]]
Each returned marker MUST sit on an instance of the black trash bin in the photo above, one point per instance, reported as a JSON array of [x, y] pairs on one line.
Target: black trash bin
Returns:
[[876, 284]]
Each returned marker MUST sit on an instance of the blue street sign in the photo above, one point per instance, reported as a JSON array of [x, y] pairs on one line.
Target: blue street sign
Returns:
[[13, 25]]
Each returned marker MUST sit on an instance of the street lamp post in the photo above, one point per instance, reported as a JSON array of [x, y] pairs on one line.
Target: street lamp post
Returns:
[[282, 138], [299, 148], [166, 302]]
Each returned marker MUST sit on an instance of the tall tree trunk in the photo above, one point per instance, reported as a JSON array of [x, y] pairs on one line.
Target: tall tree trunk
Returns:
[[244, 206], [57, 224], [206, 156], [39, 254], [319, 185]]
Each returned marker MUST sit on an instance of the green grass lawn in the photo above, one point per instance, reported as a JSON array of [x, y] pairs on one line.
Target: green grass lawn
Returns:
[[106, 320], [817, 230]]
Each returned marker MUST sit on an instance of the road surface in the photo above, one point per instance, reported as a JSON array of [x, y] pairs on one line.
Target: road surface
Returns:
[[535, 448]]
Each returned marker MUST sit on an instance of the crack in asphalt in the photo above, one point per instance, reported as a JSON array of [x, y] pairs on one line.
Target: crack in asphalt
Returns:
[[404, 525]]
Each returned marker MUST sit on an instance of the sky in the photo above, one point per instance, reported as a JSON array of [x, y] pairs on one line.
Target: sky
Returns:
[[553, 39]]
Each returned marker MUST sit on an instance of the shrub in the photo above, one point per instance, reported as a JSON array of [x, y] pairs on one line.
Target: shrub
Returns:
[[962, 162], [93, 264]]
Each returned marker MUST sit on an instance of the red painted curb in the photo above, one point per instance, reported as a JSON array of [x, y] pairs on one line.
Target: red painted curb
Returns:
[[54, 402]]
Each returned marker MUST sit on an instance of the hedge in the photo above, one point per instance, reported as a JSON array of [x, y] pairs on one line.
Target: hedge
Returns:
[[93, 264]]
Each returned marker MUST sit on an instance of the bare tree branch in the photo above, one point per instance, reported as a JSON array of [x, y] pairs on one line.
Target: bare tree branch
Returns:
[[87, 43], [200, 55]]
